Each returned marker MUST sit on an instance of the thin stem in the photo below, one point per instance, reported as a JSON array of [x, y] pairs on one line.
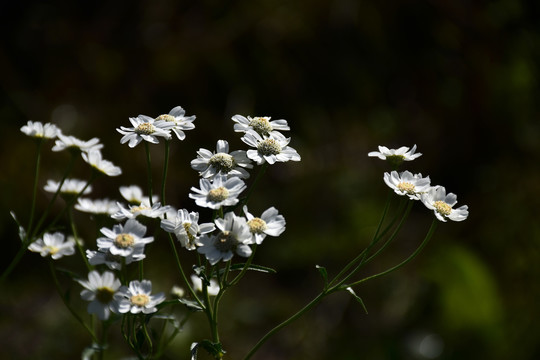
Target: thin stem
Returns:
[[165, 170], [36, 176], [149, 171], [77, 240], [262, 170], [245, 268], [147, 336]]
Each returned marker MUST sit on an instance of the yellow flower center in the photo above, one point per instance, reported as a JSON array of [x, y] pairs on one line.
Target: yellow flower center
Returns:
[[139, 300], [257, 225], [406, 187], [139, 208], [261, 125], [166, 117], [52, 249], [269, 147], [145, 129], [219, 194], [124, 240], [104, 294], [442, 208], [222, 162]]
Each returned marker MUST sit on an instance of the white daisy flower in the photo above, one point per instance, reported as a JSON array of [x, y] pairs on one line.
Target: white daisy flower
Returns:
[[71, 142], [98, 206], [213, 288], [441, 203], [269, 149], [395, 156], [143, 209], [95, 159], [261, 124], [114, 262], [134, 195], [270, 223], [180, 121], [186, 227], [177, 292], [234, 237], [100, 290], [69, 187], [145, 128], [220, 192], [408, 184], [124, 240], [209, 164], [53, 245], [137, 298], [39, 130]]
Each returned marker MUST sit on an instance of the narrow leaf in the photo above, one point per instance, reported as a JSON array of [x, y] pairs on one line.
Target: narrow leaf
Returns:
[[358, 298]]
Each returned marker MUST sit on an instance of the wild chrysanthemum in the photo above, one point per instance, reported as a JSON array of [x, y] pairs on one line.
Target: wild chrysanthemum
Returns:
[[39, 130], [408, 184], [69, 187], [270, 223], [269, 149], [234, 237], [99, 206], [143, 209], [260, 124], [186, 227], [95, 159], [145, 128], [134, 195], [137, 298], [209, 164], [181, 122], [395, 156], [100, 290], [220, 192], [114, 262], [213, 288], [71, 142], [441, 203], [124, 239], [53, 245]]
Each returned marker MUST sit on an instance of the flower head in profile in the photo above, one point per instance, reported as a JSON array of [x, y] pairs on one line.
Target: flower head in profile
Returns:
[[69, 187], [53, 245], [213, 288], [442, 204], [125, 239], [233, 237], [395, 156], [134, 195], [137, 298], [40, 130], [95, 159], [406, 183], [71, 142], [98, 207], [186, 227], [218, 193], [145, 128], [260, 124], [270, 223], [209, 164], [177, 116], [269, 149], [143, 209], [114, 262], [100, 290]]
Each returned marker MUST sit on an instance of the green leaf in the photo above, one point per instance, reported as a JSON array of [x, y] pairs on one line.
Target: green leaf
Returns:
[[324, 274], [358, 298], [192, 305], [253, 267], [214, 349]]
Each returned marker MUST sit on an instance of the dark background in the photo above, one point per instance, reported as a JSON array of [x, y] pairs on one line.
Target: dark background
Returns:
[[457, 78]]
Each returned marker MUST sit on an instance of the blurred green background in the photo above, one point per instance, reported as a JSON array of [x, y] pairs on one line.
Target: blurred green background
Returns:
[[457, 78]]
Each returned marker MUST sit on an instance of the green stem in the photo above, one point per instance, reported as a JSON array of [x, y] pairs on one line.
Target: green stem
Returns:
[[147, 336], [77, 240], [149, 171], [165, 170], [245, 268], [250, 190], [36, 176]]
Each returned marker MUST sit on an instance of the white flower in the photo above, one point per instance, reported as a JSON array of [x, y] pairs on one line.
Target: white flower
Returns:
[[65, 142], [137, 298], [143, 209], [437, 200], [220, 192], [186, 228], [53, 245], [180, 121], [234, 237], [209, 164], [114, 262], [395, 156], [145, 128], [177, 291], [270, 223], [100, 290], [213, 288], [408, 184], [39, 130], [261, 124], [134, 195], [98, 207], [70, 187], [269, 149], [95, 159], [124, 240]]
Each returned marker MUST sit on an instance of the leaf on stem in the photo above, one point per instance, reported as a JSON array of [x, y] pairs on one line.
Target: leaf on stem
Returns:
[[324, 274], [358, 298]]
